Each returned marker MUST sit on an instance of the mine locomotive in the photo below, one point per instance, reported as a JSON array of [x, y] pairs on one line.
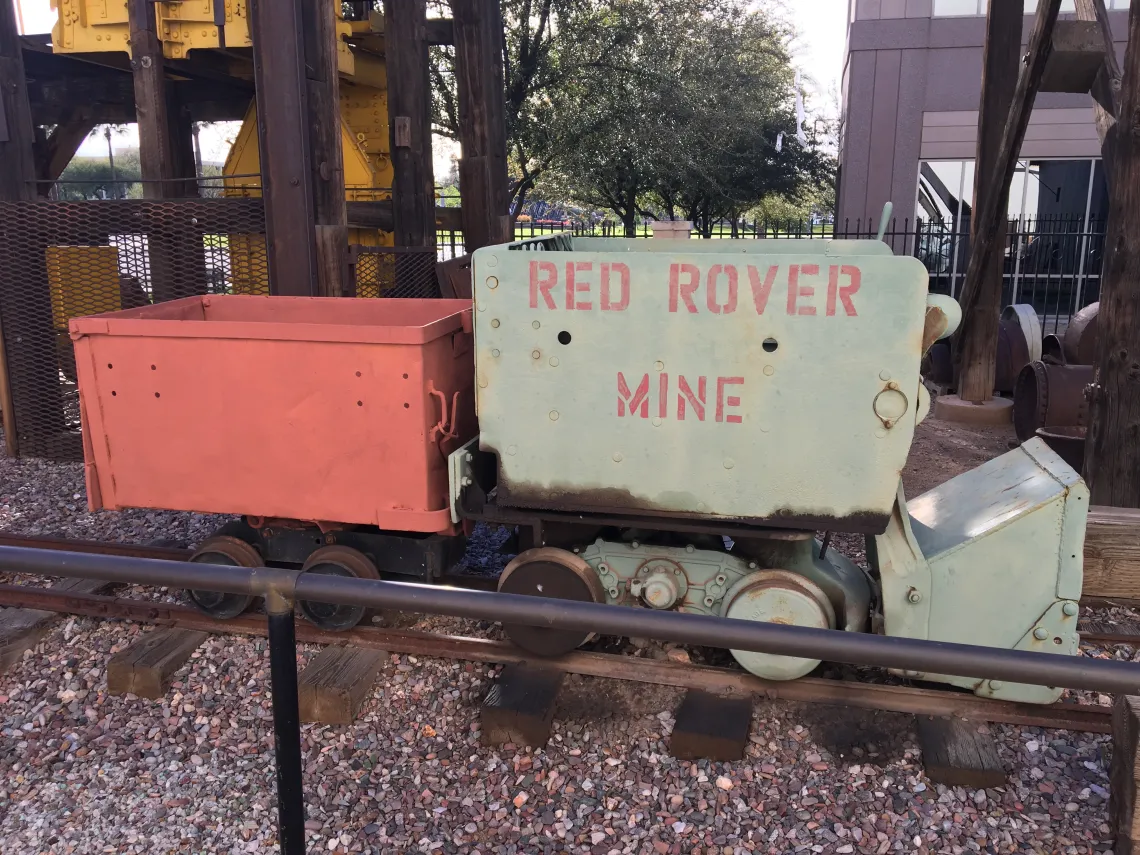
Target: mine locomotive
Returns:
[[663, 424]]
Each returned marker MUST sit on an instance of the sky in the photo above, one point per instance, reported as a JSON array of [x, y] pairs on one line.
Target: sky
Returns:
[[818, 52]]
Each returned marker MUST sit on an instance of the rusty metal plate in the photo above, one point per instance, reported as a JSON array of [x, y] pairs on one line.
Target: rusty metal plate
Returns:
[[770, 381]]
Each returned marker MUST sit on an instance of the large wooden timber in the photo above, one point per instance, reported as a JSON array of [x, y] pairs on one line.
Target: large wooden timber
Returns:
[[1124, 809]]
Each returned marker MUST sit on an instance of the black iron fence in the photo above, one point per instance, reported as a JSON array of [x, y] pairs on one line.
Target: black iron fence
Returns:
[[1051, 263]]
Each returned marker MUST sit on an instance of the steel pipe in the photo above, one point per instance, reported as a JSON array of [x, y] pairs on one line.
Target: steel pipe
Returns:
[[853, 648], [287, 732]]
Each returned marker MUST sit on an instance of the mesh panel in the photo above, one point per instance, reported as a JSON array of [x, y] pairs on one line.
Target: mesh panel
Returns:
[[62, 260], [387, 271]]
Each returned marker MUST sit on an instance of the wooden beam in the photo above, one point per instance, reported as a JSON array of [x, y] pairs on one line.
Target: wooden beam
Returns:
[[326, 159], [1076, 58], [711, 727], [1112, 453], [409, 118], [378, 215], [977, 350], [156, 153], [17, 162], [146, 667], [1124, 775], [59, 148], [960, 753], [519, 707], [283, 143], [1106, 86], [336, 683], [482, 122]]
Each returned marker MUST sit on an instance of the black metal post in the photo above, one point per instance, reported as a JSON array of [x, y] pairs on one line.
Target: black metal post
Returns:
[[287, 731]]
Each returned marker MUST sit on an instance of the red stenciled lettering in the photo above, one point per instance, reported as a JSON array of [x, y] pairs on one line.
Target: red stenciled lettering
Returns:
[[685, 393], [846, 291], [730, 401], [662, 394], [639, 399], [729, 305], [761, 288], [683, 291], [542, 286], [622, 271], [796, 290], [833, 274], [573, 287]]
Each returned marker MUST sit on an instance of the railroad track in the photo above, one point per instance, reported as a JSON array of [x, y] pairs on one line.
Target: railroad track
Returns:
[[722, 681]]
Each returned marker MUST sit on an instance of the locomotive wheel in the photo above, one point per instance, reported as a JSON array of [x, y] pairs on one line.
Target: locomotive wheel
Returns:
[[337, 561], [556, 573], [232, 552]]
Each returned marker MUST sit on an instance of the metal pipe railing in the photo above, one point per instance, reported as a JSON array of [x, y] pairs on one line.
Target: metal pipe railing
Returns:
[[906, 654], [281, 588]]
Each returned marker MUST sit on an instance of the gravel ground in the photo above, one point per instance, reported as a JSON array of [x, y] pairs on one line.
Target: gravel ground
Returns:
[[84, 772]]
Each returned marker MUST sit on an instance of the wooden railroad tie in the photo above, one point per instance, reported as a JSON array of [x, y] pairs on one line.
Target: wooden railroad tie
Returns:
[[519, 707], [711, 727], [21, 629], [1125, 775], [335, 684], [959, 753], [146, 667]]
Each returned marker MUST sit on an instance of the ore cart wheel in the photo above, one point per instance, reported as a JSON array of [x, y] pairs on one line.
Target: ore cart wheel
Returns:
[[337, 561], [556, 573], [232, 552]]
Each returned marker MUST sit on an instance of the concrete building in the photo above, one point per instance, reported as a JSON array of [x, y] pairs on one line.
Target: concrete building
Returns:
[[911, 90]]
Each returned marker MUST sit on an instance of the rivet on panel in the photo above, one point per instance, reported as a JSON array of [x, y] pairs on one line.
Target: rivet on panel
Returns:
[[659, 365], [701, 506], [618, 457], [1040, 633], [884, 375], [482, 307], [495, 352], [492, 282], [492, 261], [495, 323], [554, 361], [482, 382], [512, 450], [657, 421], [554, 415], [729, 463], [536, 354], [535, 324], [769, 370], [1070, 609], [996, 684]]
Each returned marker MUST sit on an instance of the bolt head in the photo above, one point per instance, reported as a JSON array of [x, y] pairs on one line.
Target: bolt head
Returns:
[[913, 596], [1070, 609], [1040, 633]]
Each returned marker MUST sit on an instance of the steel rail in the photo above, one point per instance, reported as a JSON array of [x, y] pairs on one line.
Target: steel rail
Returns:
[[912, 655], [723, 681]]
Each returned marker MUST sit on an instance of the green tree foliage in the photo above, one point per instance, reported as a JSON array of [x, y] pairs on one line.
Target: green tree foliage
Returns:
[[650, 107], [91, 178]]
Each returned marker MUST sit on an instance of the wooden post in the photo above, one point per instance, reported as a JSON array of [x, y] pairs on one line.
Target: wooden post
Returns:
[[283, 143], [478, 26], [978, 351], [1112, 453], [409, 118], [322, 90], [1106, 88], [156, 152], [1124, 775], [17, 163]]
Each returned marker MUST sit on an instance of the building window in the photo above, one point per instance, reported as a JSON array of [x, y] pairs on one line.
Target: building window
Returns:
[[1055, 235], [964, 8]]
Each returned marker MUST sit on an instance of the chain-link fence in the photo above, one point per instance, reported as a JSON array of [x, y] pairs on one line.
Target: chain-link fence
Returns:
[[61, 260], [393, 271]]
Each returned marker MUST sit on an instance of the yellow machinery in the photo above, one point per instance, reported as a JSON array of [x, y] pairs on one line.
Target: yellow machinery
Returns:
[[96, 26]]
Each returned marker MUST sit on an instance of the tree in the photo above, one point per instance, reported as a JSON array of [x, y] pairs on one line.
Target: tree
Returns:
[[648, 106]]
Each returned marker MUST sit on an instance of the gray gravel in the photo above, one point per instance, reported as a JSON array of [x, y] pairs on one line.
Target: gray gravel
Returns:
[[83, 772]]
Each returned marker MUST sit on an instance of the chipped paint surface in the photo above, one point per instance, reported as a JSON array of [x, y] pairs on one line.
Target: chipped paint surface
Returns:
[[715, 379]]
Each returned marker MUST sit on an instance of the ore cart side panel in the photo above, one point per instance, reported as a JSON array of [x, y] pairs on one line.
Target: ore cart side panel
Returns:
[[736, 385]]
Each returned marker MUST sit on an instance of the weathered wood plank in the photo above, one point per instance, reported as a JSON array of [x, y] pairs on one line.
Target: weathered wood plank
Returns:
[[1112, 554], [21, 629], [958, 753], [1001, 85], [1122, 804], [335, 684], [519, 707], [146, 667], [711, 727], [1112, 453]]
